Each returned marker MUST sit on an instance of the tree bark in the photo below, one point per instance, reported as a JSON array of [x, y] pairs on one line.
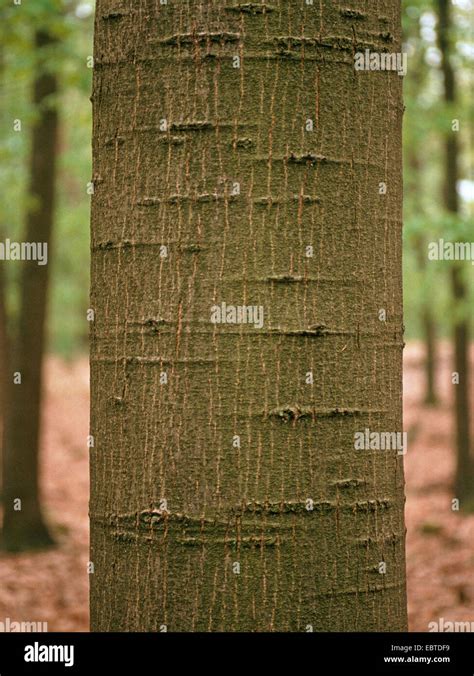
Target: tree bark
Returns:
[[226, 491], [25, 528], [464, 480]]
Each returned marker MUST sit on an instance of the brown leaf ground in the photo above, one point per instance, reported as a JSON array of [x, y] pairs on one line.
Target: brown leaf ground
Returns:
[[52, 586], [440, 541]]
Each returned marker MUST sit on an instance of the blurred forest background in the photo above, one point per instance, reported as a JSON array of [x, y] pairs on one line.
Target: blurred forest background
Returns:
[[45, 83]]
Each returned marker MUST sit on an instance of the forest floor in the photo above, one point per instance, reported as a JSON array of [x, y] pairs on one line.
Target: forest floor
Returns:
[[52, 586]]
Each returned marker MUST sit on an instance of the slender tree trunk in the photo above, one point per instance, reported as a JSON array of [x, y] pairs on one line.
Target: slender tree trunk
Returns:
[[24, 528], [464, 481], [240, 158], [431, 354], [4, 359], [428, 325], [4, 342]]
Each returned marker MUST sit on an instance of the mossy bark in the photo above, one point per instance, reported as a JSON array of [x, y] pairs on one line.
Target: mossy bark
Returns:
[[211, 449]]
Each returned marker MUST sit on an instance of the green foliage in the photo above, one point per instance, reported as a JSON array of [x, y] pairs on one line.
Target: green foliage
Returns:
[[67, 58], [427, 122]]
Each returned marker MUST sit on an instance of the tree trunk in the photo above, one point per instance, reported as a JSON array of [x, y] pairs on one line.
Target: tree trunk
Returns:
[[24, 528], [226, 490], [4, 361], [428, 325], [431, 357], [4, 338], [418, 71], [464, 480]]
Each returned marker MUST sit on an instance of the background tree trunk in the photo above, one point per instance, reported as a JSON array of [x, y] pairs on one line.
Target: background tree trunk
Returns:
[[226, 493], [428, 325], [418, 71], [464, 481], [4, 360], [25, 528]]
